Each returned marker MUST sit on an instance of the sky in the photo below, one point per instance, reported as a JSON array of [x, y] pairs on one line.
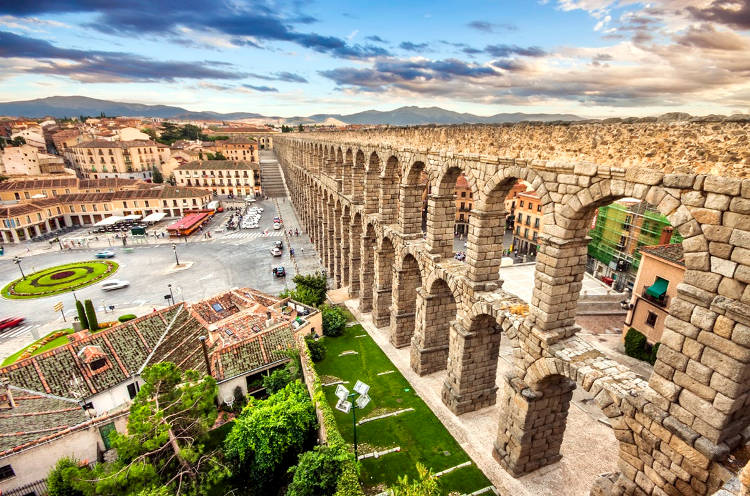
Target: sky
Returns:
[[593, 58]]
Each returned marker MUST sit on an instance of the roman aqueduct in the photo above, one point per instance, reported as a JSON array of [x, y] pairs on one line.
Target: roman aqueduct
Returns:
[[359, 196]]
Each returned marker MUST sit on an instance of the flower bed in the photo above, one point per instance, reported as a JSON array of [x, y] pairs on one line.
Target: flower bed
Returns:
[[60, 279]]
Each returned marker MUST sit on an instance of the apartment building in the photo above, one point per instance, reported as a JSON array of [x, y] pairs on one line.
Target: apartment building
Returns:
[[27, 160], [527, 222], [223, 177], [235, 148], [127, 159]]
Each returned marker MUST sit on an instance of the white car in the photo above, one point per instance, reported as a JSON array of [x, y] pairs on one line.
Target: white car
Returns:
[[275, 252], [114, 284], [276, 226]]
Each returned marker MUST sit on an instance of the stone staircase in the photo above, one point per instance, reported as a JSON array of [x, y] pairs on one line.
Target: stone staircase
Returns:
[[601, 304], [271, 180]]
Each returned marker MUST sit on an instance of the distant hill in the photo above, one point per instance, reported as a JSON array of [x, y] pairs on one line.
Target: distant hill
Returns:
[[70, 106]]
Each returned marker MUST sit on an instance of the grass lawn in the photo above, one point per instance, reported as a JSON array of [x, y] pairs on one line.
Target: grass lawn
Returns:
[[49, 346], [419, 434], [59, 279]]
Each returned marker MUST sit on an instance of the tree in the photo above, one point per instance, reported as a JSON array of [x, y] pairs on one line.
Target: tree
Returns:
[[311, 289], [317, 349], [82, 315], [268, 435], [318, 471], [65, 479], [426, 485], [334, 320], [91, 316], [300, 128], [168, 422], [157, 176], [219, 156], [277, 380], [18, 141]]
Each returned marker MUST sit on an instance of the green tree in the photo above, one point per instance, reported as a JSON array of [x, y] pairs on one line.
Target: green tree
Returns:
[[316, 347], [82, 315], [65, 479], [91, 316], [334, 320], [268, 435], [157, 176], [310, 289], [277, 380], [167, 426], [18, 141], [219, 156], [318, 471], [300, 128], [426, 485]]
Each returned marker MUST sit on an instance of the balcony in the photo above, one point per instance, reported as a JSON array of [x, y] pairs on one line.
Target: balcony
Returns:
[[661, 301]]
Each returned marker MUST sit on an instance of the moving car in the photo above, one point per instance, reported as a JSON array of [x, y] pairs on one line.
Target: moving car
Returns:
[[275, 252], [11, 322], [279, 245], [276, 226], [105, 254], [279, 271], [114, 284]]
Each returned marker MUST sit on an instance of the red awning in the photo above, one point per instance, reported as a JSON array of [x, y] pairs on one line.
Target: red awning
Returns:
[[187, 222]]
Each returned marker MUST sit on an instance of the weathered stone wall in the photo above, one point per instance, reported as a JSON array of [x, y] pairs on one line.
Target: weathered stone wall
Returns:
[[674, 431]]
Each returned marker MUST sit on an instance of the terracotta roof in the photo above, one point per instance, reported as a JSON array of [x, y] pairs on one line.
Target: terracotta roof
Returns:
[[118, 144], [219, 165], [672, 252], [67, 182]]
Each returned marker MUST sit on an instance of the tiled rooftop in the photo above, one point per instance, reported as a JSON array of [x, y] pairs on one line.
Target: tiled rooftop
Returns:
[[671, 252], [219, 165]]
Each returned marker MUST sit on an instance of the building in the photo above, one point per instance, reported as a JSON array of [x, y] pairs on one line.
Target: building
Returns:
[[33, 135], [26, 189], [617, 232], [131, 134], [223, 177], [27, 160], [127, 159], [263, 135], [236, 337], [527, 222], [24, 221], [235, 148], [661, 269], [464, 204], [68, 137]]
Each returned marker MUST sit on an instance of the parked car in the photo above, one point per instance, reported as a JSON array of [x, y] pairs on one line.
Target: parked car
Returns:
[[279, 245], [105, 254], [114, 284], [275, 252], [279, 271], [276, 226], [11, 322]]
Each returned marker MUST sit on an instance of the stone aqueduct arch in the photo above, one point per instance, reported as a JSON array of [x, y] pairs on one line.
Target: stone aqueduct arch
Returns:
[[674, 431]]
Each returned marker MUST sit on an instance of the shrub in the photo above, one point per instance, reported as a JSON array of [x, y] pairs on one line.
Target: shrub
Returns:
[[426, 485], [277, 380], [636, 346], [654, 350], [91, 315], [310, 289], [82, 315], [317, 349], [126, 317], [318, 471], [64, 479], [334, 321]]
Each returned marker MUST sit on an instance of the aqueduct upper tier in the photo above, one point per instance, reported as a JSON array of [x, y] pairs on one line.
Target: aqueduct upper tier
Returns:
[[359, 195]]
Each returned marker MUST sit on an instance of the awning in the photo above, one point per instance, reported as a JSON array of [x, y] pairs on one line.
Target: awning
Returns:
[[112, 219], [155, 217], [132, 217], [658, 288]]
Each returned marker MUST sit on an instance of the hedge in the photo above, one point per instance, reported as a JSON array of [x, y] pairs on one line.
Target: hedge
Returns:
[[636, 346], [126, 317], [348, 484]]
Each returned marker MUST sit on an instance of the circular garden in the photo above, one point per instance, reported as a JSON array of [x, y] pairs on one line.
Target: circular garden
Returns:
[[59, 279]]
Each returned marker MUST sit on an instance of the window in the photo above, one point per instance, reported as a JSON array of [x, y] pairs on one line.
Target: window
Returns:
[[6, 472], [132, 390], [536, 223], [526, 233], [98, 363], [463, 194], [26, 194], [520, 218], [463, 205], [539, 208], [518, 230], [651, 319], [521, 204], [83, 208], [528, 220]]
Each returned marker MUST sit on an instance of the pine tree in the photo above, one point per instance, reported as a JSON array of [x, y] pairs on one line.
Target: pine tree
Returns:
[[82, 315], [91, 316]]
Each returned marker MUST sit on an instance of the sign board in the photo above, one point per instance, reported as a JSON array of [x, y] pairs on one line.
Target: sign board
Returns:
[[344, 406], [341, 392], [58, 306], [361, 388], [362, 401]]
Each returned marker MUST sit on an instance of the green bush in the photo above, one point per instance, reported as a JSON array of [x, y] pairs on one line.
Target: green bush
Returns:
[[277, 380], [91, 315], [654, 350], [82, 315], [64, 479], [334, 320], [310, 290], [317, 349], [126, 317], [318, 471], [636, 346]]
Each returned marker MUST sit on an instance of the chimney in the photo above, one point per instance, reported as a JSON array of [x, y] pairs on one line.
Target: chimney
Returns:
[[202, 339], [6, 395], [666, 235]]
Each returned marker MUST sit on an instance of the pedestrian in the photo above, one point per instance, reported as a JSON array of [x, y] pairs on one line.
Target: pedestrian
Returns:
[[302, 250], [154, 309]]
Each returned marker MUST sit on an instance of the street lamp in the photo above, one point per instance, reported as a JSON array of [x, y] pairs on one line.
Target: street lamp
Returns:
[[348, 402], [174, 248], [170, 292], [17, 260]]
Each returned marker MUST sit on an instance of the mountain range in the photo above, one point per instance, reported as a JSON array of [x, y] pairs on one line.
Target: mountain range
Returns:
[[73, 106]]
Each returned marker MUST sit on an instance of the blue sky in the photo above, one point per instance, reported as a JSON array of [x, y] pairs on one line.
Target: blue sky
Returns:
[[594, 58]]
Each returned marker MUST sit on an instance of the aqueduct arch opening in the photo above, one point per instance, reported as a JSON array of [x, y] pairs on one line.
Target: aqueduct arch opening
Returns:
[[407, 282], [435, 310]]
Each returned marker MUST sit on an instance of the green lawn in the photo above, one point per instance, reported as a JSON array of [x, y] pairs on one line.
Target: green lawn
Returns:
[[49, 346], [419, 434], [59, 279]]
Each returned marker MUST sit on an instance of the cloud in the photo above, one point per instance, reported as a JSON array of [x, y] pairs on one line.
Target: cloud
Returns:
[[29, 23], [287, 77], [263, 89], [376, 39], [489, 27], [734, 13], [413, 47], [244, 25], [99, 66], [508, 50]]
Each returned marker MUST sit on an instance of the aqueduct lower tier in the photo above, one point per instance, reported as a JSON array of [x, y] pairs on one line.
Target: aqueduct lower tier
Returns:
[[361, 202]]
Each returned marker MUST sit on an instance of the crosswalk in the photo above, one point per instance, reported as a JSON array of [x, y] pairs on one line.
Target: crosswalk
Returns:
[[253, 235], [18, 331]]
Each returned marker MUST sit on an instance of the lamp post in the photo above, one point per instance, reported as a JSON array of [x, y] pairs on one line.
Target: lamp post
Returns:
[[174, 249], [351, 401], [170, 292], [17, 260]]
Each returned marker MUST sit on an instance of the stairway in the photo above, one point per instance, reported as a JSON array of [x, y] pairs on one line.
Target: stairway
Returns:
[[271, 180]]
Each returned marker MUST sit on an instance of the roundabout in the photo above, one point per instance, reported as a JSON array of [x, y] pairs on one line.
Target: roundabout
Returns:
[[59, 279]]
